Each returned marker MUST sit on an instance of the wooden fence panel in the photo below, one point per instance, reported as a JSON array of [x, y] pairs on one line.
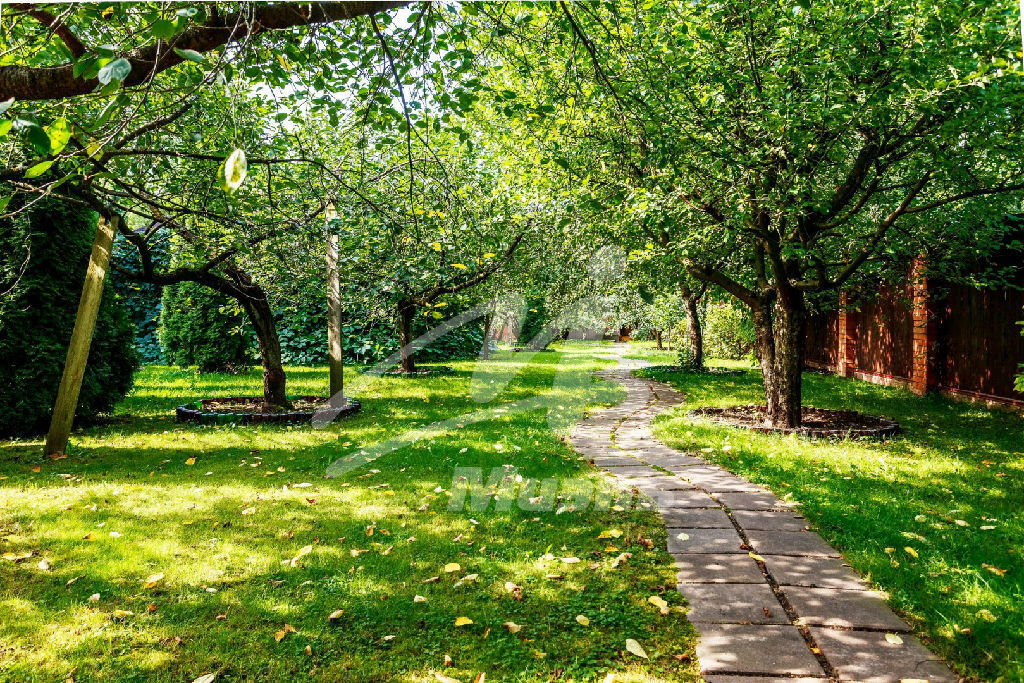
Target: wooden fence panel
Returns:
[[885, 334], [979, 347], [822, 339]]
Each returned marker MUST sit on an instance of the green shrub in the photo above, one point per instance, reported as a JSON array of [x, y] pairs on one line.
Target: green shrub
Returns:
[[44, 254], [303, 333], [141, 299], [201, 327], [728, 331]]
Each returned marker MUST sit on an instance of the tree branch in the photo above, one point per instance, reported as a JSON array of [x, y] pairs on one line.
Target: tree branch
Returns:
[[59, 82]]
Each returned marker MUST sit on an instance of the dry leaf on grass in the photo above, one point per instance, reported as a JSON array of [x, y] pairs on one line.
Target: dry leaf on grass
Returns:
[[634, 648], [659, 603]]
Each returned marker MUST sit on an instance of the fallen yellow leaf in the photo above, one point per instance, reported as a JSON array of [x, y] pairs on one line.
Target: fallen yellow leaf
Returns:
[[659, 603], [335, 614], [512, 627], [463, 621], [582, 620], [190, 461], [634, 648], [452, 567], [153, 580], [893, 639]]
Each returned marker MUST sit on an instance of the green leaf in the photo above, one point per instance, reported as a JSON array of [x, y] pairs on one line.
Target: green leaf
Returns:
[[39, 169], [191, 55], [60, 133], [36, 135], [116, 70], [232, 171], [5, 127], [4, 201], [163, 29]]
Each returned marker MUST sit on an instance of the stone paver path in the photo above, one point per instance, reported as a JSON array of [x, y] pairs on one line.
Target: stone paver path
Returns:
[[770, 599]]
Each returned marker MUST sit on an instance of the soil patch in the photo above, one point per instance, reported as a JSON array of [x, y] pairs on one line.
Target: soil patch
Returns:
[[815, 422]]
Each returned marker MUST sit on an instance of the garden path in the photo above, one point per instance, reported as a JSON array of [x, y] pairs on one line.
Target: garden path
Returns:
[[770, 599]]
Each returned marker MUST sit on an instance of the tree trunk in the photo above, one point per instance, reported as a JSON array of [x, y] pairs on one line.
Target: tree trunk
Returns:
[[779, 346], [257, 307], [406, 312], [335, 364], [694, 331], [658, 337], [81, 339], [485, 351]]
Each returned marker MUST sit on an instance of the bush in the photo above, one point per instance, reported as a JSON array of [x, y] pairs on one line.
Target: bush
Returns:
[[728, 331], [43, 260], [202, 327], [303, 333], [142, 300]]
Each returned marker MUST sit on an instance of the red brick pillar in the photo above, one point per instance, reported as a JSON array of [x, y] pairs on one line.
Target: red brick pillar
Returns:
[[923, 373], [846, 358]]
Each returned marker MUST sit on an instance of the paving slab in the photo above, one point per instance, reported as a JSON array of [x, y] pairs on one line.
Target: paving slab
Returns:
[[673, 465], [716, 568], [843, 608], [705, 541], [752, 501], [769, 521], [664, 483], [733, 603], [799, 543], [726, 678], [667, 500], [613, 461], [736, 648], [867, 657], [813, 572], [638, 470], [691, 518]]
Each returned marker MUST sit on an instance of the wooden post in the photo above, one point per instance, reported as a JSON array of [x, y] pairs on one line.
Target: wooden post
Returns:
[[81, 339], [334, 311]]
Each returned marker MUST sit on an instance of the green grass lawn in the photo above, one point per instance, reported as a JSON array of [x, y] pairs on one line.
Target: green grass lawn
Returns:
[[131, 502], [935, 519]]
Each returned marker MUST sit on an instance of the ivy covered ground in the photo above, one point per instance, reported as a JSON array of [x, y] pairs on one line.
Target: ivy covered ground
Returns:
[[166, 552]]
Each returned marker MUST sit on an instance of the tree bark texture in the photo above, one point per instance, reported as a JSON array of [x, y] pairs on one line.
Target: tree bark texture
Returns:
[[406, 313], [81, 339]]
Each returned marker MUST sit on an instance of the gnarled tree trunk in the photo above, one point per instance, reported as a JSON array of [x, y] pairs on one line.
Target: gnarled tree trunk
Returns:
[[404, 318], [779, 346], [257, 307]]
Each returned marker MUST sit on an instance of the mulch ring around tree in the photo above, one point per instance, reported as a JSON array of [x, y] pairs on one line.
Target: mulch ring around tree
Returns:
[[817, 423], [248, 410], [707, 370]]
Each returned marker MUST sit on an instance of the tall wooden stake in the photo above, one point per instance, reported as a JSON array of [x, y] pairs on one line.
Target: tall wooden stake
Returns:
[[81, 338], [334, 314]]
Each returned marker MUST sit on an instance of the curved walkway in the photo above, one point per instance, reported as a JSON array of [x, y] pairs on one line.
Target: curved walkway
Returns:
[[770, 599]]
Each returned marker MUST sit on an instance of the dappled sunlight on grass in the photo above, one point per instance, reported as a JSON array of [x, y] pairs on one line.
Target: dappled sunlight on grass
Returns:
[[934, 518], [225, 529]]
